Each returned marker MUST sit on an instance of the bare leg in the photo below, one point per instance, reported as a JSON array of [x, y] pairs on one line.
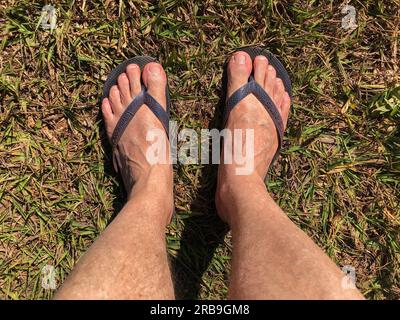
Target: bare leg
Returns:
[[272, 258], [129, 260]]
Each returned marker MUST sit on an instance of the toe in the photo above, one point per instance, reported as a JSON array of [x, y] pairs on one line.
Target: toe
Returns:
[[115, 100], [124, 89], [106, 110], [279, 91], [155, 80], [108, 116], [133, 72], [260, 69], [270, 80], [239, 70]]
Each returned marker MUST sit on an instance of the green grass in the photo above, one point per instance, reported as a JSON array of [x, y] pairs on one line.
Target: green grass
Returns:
[[338, 177]]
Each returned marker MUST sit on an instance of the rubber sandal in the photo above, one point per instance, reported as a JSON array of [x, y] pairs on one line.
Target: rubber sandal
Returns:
[[252, 87], [142, 98]]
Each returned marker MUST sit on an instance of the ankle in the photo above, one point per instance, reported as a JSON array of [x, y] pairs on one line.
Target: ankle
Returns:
[[155, 188], [158, 210], [149, 212], [232, 183], [233, 192]]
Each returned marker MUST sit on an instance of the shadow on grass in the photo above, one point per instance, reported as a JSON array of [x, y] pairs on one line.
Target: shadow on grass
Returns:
[[201, 236], [204, 231]]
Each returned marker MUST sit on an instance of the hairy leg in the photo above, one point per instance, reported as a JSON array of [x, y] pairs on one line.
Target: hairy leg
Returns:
[[129, 260], [272, 258]]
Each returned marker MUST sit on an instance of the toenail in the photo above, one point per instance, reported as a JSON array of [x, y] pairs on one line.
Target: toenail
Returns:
[[240, 58], [270, 68], [261, 57], [154, 70]]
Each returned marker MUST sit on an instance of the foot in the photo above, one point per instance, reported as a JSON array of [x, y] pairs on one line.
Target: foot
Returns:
[[251, 114], [138, 174]]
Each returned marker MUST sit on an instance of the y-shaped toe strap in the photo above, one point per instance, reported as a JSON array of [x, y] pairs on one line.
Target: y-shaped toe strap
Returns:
[[252, 87], [142, 98]]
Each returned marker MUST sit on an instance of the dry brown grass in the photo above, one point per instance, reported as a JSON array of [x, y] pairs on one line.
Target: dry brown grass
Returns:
[[339, 174]]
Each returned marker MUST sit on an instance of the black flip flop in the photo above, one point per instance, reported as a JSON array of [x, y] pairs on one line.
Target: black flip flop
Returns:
[[252, 87], [142, 98]]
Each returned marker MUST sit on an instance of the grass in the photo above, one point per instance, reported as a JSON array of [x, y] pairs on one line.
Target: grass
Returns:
[[338, 177]]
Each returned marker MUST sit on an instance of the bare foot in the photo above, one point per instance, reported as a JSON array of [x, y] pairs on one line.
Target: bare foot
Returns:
[[137, 173], [250, 114]]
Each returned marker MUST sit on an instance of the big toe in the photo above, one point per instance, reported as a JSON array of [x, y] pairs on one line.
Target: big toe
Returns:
[[155, 80], [239, 70]]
